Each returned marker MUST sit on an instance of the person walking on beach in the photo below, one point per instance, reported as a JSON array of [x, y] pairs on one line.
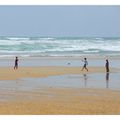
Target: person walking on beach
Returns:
[[107, 65], [16, 63], [85, 64]]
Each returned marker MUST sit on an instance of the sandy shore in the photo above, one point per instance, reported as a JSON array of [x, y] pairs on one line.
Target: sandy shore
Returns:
[[8, 73], [63, 101], [56, 100]]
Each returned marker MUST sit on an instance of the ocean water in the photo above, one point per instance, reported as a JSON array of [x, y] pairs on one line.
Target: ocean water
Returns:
[[58, 46]]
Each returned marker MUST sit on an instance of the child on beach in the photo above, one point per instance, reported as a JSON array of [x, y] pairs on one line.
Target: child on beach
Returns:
[[85, 64], [16, 63], [107, 65]]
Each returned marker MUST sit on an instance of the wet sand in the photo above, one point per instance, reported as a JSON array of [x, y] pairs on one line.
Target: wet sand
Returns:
[[8, 73], [54, 100], [63, 101], [59, 61]]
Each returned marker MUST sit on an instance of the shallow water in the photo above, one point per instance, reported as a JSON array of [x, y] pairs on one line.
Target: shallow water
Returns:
[[98, 80], [9, 89]]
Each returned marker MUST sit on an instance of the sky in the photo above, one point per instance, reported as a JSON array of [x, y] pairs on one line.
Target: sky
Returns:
[[60, 21]]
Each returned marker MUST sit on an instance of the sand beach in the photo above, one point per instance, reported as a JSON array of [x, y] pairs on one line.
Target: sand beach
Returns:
[[68, 60], [34, 90]]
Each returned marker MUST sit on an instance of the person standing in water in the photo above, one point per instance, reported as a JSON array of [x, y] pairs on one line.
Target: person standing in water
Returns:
[[16, 63], [85, 64], [107, 65]]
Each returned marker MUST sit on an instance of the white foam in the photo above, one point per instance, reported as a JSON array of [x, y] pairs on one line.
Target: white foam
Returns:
[[17, 38], [93, 51], [39, 45]]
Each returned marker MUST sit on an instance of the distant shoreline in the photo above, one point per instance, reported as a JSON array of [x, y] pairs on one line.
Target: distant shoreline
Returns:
[[61, 57]]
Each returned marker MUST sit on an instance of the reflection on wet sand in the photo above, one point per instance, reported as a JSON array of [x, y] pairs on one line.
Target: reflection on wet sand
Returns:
[[107, 80], [85, 80], [12, 88]]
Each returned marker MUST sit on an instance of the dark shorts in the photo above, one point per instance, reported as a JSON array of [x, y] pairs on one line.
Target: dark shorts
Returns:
[[16, 64], [85, 65]]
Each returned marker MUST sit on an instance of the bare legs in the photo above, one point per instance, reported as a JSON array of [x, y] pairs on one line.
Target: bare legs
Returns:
[[15, 67], [84, 67]]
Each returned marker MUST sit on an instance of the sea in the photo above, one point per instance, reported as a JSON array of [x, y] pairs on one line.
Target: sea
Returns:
[[59, 46]]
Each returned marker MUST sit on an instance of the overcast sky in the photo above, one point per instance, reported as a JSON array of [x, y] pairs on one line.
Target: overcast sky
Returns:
[[60, 21]]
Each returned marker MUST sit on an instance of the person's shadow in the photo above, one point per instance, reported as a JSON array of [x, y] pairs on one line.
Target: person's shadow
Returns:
[[85, 80], [107, 80]]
